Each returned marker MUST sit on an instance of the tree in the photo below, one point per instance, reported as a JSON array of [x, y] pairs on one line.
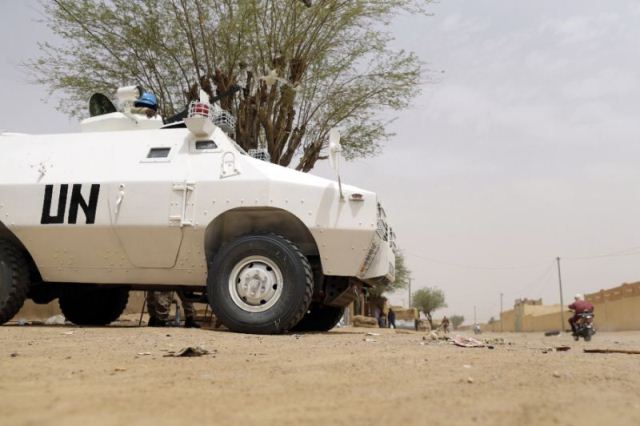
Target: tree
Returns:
[[304, 67], [403, 276], [456, 321], [428, 300]]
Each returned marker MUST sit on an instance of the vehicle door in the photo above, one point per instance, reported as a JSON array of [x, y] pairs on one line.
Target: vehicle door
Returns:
[[150, 202]]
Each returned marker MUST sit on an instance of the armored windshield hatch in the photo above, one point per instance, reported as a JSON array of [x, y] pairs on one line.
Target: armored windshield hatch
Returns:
[[208, 144], [158, 153]]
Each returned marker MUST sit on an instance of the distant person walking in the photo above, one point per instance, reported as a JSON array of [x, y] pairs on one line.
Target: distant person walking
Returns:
[[445, 324], [391, 318]]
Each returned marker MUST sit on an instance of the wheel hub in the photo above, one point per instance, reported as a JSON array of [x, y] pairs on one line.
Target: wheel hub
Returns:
[[255, 284]]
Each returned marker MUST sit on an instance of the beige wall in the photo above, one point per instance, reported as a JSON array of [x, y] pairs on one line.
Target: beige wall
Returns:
[[616, 309]]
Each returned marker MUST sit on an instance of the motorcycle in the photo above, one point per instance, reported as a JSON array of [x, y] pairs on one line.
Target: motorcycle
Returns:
[[584, 326]]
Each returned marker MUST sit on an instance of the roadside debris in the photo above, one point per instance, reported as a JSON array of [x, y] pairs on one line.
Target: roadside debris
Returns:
[[366, 339], [556, 374], [68, 333], [119, 369], [552, 333], [13, 354], [469, 379], [467, 342], [144, 353], [612, 351], [562, 348], [373, 334], [189, 351], [23, 321]]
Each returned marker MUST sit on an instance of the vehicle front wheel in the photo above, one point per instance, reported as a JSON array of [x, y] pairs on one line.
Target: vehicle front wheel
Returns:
[[93, 305], [14, 280], [260, 284], [320, 318]]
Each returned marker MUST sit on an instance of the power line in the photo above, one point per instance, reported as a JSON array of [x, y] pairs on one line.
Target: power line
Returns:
[[460, 265], [620, 253]]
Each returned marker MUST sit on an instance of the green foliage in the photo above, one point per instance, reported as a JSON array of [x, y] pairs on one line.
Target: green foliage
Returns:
[[403, 276], [333, 63], [428, 300], [456, 321]]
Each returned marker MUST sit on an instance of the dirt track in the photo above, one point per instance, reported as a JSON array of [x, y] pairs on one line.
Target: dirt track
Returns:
[[65, 375]]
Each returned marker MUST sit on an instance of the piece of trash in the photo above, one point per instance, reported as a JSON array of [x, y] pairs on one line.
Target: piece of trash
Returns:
[[373, 334], [23, 321], [562, 348], [55, 320], [556, 374], [612, 351], [467, 342], [189, 351], [552, 333], [369, 340], [469, 379], [144, 353], [68, 333]]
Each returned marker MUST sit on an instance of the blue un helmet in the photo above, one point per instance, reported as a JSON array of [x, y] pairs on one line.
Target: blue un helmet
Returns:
[[147, 100]]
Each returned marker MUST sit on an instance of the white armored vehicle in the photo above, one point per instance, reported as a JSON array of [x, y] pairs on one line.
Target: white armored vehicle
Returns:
[[133, 204]]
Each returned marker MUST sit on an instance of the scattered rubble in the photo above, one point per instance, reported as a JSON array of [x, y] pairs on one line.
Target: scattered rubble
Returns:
[[467, 342], [189, 351], [612, 351]]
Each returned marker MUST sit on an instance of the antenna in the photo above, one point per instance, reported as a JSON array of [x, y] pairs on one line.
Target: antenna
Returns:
[[335, 150]]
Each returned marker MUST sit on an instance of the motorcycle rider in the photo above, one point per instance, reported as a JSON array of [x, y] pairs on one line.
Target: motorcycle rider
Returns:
[[578, 307]]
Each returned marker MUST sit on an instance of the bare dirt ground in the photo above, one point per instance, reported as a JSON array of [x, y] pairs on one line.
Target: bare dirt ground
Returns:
[[66, 375]]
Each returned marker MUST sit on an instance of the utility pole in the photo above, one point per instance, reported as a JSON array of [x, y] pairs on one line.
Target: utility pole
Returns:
[[561, 298], [501, 324]]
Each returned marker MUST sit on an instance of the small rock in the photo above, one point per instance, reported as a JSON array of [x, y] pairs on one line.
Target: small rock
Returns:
[[119, 369], [14, 354], [469, 379], [466, 366], [556, 374]]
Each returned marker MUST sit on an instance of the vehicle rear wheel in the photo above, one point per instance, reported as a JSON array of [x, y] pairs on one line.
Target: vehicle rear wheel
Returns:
[[260, 284], [14, 280], [320, 317], [93, 305]]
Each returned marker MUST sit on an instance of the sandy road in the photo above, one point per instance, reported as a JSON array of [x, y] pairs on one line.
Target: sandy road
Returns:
[[65, 375]]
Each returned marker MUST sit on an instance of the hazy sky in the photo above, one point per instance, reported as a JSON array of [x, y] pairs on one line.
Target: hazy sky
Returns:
[[523, 145]]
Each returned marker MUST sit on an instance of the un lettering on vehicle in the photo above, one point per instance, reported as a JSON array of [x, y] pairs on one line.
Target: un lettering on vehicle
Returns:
[[77, 202]]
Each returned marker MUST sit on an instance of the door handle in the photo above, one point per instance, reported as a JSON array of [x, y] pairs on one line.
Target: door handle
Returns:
[[119, 200]]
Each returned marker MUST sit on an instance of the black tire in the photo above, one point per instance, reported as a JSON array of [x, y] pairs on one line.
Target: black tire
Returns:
[[320, 317], [14, 280], [93, 305], [266, 256]]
